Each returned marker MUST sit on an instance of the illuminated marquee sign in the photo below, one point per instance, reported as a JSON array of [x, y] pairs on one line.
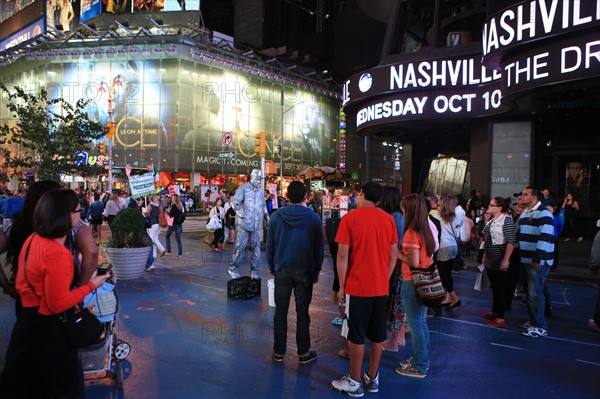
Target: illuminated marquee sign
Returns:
[[459, 87], [530, 21], [540, 42]]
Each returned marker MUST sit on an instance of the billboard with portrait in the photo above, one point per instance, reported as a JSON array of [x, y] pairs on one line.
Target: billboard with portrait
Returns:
[[172, 113]]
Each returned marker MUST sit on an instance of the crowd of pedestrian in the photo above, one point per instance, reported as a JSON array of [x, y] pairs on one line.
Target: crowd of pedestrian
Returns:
[[376, 247]]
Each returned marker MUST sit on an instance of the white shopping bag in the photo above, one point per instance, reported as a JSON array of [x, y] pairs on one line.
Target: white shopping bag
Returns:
[[482, 283]]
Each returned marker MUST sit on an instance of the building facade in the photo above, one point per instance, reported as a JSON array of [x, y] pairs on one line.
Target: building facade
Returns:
[[182, 98], [488, 95]]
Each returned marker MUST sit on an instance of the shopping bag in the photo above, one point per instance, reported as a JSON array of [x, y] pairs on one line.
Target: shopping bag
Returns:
[[482, 282]]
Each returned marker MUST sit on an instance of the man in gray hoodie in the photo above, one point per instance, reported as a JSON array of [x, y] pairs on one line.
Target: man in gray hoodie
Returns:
[[295, 252]]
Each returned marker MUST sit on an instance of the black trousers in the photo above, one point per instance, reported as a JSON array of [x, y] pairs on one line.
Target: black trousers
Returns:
[[501, 291], [39, 361]]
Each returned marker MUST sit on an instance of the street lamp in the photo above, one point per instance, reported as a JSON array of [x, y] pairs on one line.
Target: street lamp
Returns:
[[110, 91], [397, 148]]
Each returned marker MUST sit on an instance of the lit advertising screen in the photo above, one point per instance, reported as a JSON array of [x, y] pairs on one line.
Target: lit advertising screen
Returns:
[[173, 114]]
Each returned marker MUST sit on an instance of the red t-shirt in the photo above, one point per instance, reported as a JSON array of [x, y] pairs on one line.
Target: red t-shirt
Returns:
[[413, 240], [50, 272], [369, 232]]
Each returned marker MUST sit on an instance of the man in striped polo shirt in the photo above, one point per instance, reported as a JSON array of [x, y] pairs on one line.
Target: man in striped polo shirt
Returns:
[[536, 243]]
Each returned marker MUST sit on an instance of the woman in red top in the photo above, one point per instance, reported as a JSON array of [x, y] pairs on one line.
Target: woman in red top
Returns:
[[39, 362], [417, 251]]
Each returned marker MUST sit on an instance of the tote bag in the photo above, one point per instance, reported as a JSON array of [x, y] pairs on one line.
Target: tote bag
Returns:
[[429, 285]]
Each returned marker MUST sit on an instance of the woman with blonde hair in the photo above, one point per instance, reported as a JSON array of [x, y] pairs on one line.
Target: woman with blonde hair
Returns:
[[450, 221], [113, 206]]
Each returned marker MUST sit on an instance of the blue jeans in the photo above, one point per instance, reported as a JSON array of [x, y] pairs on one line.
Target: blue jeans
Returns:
[[416, 318], [536, 301], [177, 228], [150, 259], [302, 284]]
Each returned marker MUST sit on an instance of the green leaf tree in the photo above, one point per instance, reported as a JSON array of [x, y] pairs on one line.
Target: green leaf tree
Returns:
[[45, 134]]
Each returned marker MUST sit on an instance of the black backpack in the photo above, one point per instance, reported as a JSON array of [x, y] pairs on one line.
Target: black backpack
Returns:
[[181, 216]]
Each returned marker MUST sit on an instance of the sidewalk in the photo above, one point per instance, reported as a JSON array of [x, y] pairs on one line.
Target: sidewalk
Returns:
[[573, 262], [572, 266]]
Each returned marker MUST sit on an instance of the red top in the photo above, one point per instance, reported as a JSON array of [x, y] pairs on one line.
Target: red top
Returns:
[[412, 240], [369, 232], [50, 272]]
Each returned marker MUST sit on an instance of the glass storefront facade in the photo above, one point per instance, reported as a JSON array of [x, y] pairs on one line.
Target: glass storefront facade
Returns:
[[172, 113]]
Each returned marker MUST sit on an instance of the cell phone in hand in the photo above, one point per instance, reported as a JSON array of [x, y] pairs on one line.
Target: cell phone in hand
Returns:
[[103, 268]]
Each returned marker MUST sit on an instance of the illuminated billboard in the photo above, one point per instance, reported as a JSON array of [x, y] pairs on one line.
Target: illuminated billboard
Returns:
[[173, 114]]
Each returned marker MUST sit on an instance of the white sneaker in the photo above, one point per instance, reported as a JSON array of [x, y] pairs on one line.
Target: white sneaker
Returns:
[[535, 332], [347, 385], [234, 273], [151, 268]]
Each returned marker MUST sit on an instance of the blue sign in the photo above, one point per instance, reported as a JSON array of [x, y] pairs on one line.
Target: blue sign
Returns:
[[90, 9], [29, 32]]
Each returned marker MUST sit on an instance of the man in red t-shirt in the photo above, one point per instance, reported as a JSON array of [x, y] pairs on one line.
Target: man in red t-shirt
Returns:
[[367, 255]]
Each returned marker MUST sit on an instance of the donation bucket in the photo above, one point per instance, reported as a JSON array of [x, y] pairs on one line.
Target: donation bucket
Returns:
[[271, 286]]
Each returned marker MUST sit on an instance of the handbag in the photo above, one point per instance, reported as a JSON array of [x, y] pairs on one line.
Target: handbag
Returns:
[[162, 220], [169, 220], [429, 285], [81, 328]]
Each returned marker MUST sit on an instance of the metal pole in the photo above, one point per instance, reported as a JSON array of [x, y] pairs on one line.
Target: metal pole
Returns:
[[281, 147]]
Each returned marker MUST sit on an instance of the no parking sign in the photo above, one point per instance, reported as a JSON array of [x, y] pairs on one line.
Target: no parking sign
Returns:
[[227, 139]]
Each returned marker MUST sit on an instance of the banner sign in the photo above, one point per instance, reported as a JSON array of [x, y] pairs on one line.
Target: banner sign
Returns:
[[90, 9], [142, 185], [24, 35]]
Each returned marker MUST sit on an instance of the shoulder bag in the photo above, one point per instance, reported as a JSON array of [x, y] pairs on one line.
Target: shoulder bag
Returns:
[[162, 219], [80, 326], [429, 285]]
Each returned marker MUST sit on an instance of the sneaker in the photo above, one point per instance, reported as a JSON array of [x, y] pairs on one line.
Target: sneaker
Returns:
[[567, 239], [234, 273], [254, 276], [337, 321], [166, 254], [535, 332], [151, 268], [410, 371], [593, 325], [407, 363], [370, 384], [276, 357], [580, 239], [525, 325], [349, 386], [309, 357]]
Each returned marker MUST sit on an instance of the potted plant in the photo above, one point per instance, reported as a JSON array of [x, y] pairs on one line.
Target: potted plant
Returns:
[[129, 246]]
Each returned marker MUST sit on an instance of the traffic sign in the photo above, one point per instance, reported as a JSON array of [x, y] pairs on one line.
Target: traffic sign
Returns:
[[227, 139], [227, 154]]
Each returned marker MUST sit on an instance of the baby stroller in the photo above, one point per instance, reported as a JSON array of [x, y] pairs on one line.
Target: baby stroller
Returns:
[[106, 355]]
